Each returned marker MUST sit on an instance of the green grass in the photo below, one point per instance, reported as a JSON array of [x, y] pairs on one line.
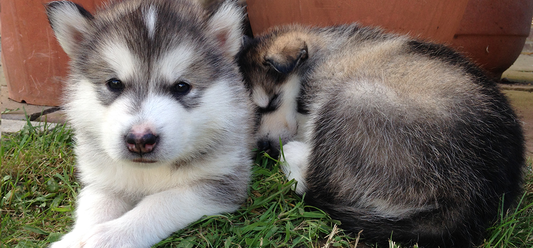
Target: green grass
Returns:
[[38, 189], [37, 185]]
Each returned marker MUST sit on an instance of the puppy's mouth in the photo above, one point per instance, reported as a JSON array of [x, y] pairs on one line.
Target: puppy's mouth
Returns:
[[143, 160]]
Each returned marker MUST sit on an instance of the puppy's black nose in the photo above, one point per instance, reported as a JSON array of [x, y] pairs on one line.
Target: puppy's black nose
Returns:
[[141, 142], [263, 145]]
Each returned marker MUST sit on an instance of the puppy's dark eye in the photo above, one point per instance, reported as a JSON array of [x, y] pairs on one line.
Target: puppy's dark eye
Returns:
[[115, 85], [181, 88]]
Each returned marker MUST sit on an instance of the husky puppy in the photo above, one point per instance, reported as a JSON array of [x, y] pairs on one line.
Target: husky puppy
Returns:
[[396, 137], [160, 114]]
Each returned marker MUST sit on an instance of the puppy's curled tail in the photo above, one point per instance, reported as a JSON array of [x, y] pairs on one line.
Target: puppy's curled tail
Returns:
[[415, 229]]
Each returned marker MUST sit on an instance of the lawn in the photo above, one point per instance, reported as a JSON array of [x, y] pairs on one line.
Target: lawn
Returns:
[[38, 189]]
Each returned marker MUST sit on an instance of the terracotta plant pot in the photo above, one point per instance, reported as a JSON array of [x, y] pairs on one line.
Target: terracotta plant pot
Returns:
[[491, 32], [34, 64], [434, 20]]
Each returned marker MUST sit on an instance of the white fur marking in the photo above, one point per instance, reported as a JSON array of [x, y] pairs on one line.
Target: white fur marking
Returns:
[[120, 58], [175, 62], [150, 19], [282, 123], [260, 98]]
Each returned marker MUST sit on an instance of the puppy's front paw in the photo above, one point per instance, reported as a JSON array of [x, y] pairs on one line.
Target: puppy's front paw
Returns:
[[69, 240], [295, 163], [107, 235]]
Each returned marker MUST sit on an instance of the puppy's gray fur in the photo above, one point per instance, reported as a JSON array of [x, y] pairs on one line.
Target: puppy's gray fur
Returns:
[[161, 117], [399, 138]]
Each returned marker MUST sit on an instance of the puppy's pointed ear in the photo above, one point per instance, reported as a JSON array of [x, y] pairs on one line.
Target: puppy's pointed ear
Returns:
[[70, 23], [285, 56], [226, 25]]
